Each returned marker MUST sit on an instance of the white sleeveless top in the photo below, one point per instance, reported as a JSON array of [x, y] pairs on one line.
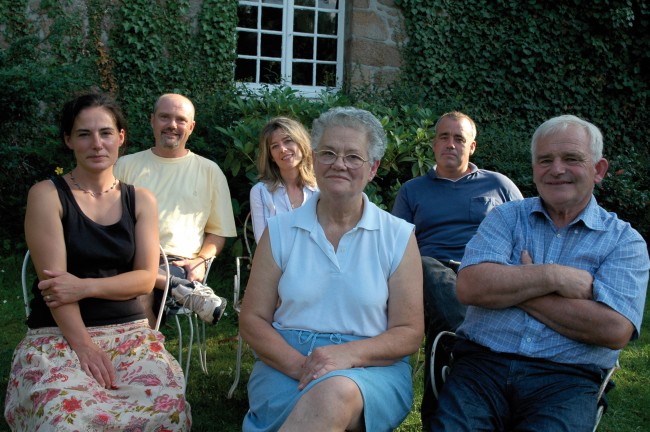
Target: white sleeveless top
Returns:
[[343, 291]]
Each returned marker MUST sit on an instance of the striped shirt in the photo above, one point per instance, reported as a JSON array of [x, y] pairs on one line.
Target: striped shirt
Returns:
[[596, 241]]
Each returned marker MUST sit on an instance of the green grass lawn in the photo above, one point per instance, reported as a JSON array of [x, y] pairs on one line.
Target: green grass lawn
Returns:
[[213, 411]]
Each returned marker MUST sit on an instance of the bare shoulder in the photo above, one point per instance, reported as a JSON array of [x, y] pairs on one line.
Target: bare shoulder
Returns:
[[43, 205], [146, 207], [42, 192], [43, 186], [144, 196]]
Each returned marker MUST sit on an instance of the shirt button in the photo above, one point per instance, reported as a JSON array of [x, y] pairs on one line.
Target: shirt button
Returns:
[[528, 339], [558, 235]]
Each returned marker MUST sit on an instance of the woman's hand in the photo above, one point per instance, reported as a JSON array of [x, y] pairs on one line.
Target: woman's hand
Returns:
[[323, 360], [96, 364], [62, 288]]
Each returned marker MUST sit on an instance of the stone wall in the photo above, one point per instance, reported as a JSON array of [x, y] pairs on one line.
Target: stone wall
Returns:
[[374, 36]]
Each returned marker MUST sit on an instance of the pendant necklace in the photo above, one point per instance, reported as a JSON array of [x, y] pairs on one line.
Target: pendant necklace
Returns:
[[91, 193]]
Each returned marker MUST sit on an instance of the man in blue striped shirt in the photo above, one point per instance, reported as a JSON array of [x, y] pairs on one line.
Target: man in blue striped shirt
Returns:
[[556, 287]]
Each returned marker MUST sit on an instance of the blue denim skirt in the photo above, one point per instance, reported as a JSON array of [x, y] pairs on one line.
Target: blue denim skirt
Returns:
[[386, 390]]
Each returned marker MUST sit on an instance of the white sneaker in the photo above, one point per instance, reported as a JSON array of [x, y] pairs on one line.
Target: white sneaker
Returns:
[[201, 300]]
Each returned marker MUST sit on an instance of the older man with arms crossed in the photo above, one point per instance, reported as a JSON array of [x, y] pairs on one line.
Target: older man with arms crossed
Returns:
[[556, 287], [447, 205], [194, 207]]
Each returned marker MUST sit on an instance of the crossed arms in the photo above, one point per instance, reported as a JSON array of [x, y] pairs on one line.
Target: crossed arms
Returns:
[[558, 296]]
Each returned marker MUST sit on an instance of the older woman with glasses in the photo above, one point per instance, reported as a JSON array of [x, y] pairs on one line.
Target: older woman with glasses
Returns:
[[333, 306]]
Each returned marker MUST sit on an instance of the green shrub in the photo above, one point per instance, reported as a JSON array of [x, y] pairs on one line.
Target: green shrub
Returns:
[[508, 64], [512, 64]]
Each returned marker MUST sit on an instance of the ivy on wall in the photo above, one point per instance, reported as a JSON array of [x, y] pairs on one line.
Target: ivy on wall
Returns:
[[159, 47], [533, 58], [511, 64], [135, 49]]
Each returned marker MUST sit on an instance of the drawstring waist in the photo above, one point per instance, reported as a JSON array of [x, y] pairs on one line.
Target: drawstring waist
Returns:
[[306, 336]]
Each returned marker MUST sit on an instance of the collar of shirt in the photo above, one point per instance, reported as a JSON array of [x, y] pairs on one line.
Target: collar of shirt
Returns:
[[433, 173], [305, 216], [589, 215]]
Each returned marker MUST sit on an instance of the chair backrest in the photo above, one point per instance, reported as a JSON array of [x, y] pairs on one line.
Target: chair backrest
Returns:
[[23, 279], [247, 260], [208, 266], [248, 227], [161, 311]]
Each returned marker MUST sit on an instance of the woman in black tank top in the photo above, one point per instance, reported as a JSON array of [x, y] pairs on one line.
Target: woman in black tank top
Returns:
[[89, 353]]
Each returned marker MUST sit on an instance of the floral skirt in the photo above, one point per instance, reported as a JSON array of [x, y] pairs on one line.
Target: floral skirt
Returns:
[[48, 390]]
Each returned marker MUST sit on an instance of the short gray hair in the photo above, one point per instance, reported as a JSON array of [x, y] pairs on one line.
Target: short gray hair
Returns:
[[354, 118], [560, 123]]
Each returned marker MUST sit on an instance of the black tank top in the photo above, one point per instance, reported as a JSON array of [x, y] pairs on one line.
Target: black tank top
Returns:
[[94, 251]]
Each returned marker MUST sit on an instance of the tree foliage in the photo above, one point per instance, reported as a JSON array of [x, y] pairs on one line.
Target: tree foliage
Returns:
[[508, 64], [511, 64]]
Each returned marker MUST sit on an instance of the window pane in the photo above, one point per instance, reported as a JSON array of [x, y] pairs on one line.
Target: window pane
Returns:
[[327, 23], [270, 72], [314, 41], [326, 75], [271, 18], [246, 43], [245, 70], [328, 4], [326, 49], [271, 45], [302, 74], [247, 16], [303, 21], [303, 48]]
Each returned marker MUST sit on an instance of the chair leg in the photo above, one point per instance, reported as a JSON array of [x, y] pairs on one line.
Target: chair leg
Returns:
[[237, 366], [180, 343], [201, 342], [419, 364], [189, 349]]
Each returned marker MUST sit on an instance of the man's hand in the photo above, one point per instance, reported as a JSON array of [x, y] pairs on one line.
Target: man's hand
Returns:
[[194, 268]]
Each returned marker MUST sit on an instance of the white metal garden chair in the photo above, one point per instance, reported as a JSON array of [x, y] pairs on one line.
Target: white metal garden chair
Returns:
[[26, 298], [240, 262], [442, 361], [194, 329]]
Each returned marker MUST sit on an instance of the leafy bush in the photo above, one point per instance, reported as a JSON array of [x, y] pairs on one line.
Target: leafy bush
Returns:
[[408, 128], [513, 64], [508, 64]]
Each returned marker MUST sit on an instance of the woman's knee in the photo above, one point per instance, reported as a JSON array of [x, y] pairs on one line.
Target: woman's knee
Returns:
[[338, 390]]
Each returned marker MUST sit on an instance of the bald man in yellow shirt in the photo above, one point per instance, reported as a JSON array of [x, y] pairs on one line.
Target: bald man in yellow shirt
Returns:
[[194, 207]]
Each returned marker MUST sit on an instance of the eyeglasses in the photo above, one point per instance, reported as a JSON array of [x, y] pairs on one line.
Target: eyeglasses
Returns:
[[328, 157]]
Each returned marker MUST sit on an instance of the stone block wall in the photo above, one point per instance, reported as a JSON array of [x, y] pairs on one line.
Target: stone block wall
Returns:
[[374, 36]]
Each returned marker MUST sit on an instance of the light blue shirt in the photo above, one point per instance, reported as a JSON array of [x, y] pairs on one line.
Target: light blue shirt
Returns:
[[341, 291], [265, 204], [596, 241]]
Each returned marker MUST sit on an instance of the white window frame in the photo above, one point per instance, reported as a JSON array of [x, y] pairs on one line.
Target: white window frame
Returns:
[[286, 60]]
